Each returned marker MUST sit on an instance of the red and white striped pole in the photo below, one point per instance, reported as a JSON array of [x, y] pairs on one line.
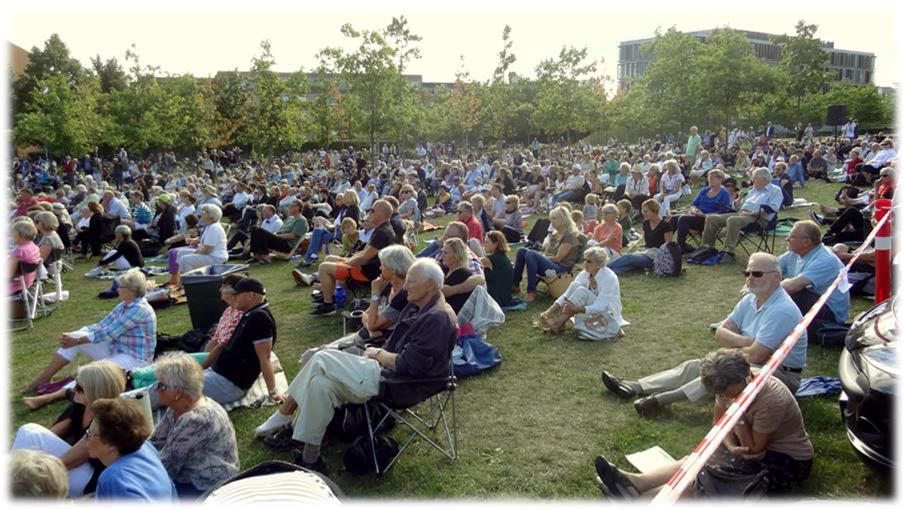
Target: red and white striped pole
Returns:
[[882, 247]]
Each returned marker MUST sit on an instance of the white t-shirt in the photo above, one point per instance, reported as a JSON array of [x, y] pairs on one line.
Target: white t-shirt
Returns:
[[215, 236]]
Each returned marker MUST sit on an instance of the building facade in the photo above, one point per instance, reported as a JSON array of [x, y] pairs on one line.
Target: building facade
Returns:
[[846, 65]]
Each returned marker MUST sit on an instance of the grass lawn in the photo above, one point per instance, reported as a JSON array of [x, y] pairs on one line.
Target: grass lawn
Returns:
[[533, 426]]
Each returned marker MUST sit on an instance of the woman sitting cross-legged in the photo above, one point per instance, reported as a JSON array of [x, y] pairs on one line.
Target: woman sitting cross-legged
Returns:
[[770, 435], [127, 254], [65, 439], [560, 253], [656, 232], [195, 437], [592, 301], [127, 336]]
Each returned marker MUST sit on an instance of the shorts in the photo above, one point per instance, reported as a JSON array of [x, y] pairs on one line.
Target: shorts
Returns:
[[344, 272]]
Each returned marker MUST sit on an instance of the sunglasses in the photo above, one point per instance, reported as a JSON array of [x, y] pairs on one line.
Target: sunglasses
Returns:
[[756, 274], [79, 389]]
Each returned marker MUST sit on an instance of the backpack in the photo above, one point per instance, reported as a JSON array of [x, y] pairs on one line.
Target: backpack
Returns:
[[726, 482], [668, 261]]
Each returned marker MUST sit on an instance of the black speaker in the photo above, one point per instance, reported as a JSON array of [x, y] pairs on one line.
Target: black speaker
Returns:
[[835, 114]]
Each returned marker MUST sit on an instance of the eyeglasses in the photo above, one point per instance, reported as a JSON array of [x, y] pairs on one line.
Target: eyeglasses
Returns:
[[79, 389], [755, 274], [89, 433], [159, 386]]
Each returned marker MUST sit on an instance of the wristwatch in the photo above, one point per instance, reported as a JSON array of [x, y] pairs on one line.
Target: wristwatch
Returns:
[[375, 298]]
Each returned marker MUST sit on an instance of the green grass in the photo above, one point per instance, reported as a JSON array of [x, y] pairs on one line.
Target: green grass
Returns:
[[533, 426]]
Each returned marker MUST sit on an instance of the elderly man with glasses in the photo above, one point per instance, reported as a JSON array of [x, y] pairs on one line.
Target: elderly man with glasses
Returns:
[[808, 269], [761, 320]]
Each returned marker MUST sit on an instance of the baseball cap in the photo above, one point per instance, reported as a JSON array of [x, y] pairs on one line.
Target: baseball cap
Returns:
[[249, 285]]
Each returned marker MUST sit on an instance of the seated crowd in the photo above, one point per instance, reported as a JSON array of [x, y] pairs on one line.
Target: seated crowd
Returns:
[[606, 212]]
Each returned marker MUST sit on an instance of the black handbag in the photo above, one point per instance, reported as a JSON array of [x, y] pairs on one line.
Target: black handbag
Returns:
[[715, 481]]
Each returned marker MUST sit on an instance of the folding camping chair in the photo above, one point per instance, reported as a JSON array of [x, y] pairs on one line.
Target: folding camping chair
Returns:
[[754, 237], [423, 424], [30, 296]]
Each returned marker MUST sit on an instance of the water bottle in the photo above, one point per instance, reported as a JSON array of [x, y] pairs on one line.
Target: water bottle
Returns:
[[340, 296]]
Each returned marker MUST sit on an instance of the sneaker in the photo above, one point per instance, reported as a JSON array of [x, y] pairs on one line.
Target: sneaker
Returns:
[[273, 424], [323, 310], [726, 258], [281, 440], [319, 465], [307, 262], [317, 297], [302, 279], [715, 325]]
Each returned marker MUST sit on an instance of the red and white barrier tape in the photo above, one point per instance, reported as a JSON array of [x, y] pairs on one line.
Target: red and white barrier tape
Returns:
[[689, 469]]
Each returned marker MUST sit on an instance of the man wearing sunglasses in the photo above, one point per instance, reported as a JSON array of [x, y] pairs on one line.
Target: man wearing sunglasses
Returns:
[[759, 323]]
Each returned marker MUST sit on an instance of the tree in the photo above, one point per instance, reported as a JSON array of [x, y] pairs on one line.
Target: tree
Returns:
[[378, 96], [500, 102], [730, 77], [564, 96], [274, 120], [669, 98], [110, 74], [61, 116], [464, 103], [802, 63], [229, 95], [53, 59]]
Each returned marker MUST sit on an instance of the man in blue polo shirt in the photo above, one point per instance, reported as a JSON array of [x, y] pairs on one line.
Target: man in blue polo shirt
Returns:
[[758, 325], [808, 268]]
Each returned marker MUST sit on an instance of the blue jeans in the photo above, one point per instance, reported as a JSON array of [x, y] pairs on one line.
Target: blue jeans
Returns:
[[429, 250], [630, 262], [536, 264], [319, 238], [559, 197]]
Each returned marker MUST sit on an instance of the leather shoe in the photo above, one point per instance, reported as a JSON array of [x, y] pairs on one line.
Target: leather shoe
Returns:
[[818, 219], [613, 483], [647, 406], [615, 385], [319, 465], [281, 440]]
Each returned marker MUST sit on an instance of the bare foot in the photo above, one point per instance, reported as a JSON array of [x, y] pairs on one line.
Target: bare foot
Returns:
[[34, 402]]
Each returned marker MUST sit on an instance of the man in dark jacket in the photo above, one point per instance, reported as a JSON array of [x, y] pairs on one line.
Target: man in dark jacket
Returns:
[[419, 348]]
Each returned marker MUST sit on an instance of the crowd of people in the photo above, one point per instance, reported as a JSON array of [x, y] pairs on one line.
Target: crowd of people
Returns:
[[359, 215]]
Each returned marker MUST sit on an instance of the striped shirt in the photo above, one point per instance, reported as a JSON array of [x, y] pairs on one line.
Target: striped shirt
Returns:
[[131, 328]]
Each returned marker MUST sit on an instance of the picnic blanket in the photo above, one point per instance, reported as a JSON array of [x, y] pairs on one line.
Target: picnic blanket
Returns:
[[818, 385]]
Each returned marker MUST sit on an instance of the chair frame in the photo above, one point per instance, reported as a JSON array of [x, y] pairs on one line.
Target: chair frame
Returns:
[[419, 425], [754, 238]]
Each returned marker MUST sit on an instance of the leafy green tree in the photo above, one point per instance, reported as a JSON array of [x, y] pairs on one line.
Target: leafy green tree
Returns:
[[229, 95], [110, 73], [274, 116], [61, 116], [730, 77], [464, 104], [802, 64], [564, 99], [53, 59]]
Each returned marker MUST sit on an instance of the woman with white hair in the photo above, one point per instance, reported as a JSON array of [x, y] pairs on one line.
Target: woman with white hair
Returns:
[[592, 301], [127, 254], [671, 184], [127, 335], [207, 250], [35, 474], [560, 253], [195, 437]]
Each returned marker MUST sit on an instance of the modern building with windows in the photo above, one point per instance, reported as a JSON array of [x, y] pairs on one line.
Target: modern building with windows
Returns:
[[846, 65]]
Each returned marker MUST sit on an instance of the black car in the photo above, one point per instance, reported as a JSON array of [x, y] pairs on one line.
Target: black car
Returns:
[[868, 371]]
